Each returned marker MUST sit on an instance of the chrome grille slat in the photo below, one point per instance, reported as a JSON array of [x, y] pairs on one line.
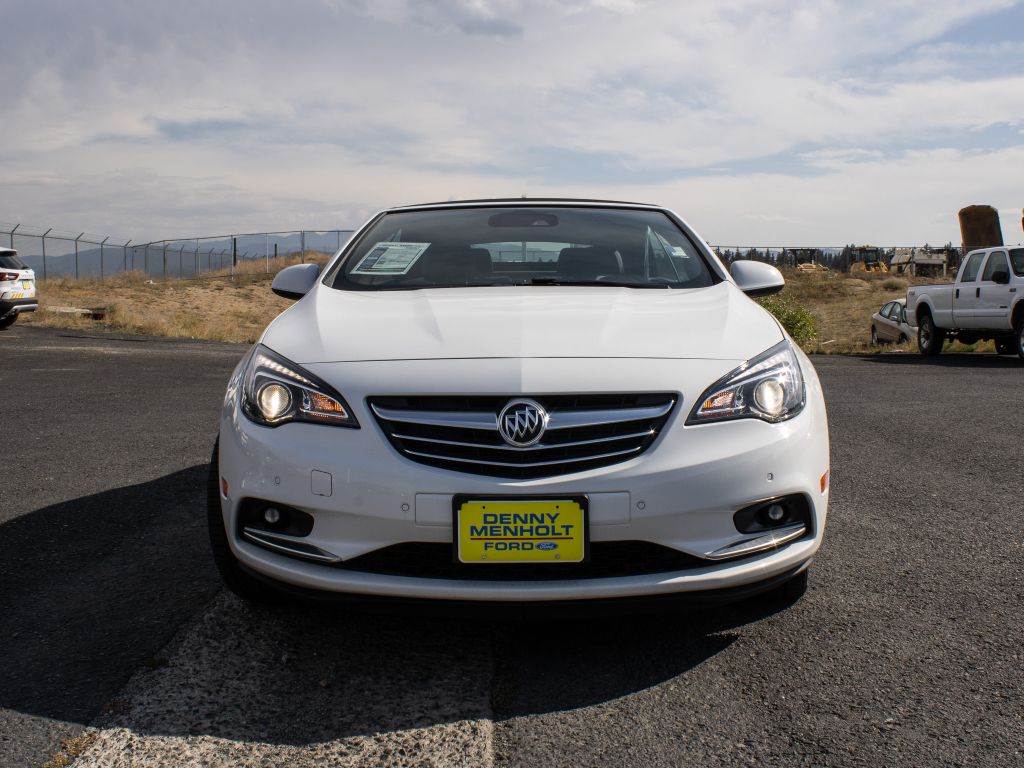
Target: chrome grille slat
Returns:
[[559, 420], [460, 432], [531, 464], [528, 449]]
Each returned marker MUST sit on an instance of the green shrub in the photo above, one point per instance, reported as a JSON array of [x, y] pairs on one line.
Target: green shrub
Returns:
[[894, 284], [798, 322]]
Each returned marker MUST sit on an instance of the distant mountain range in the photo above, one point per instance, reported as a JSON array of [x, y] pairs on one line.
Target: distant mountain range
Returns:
[[215, 254]]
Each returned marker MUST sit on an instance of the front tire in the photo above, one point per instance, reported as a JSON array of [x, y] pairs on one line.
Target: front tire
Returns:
[[235, 578], [929, 338], [7, 322], [1020, 337]]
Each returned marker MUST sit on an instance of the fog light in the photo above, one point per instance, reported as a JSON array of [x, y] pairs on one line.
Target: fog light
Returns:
[[776, 513], [271, 516], [274, 400], [770, 397]]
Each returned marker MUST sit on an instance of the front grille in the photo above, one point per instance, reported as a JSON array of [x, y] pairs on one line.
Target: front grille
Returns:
[[461, 433], [608, 559]]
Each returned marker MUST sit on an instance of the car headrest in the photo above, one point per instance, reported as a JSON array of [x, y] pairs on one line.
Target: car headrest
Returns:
[[455, 263], [589, 263]]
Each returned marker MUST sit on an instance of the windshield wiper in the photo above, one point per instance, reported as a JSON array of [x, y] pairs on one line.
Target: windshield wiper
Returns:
[[604, 283]]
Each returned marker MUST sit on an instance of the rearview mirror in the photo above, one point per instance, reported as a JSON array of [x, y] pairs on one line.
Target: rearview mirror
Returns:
[[756, 278], [295, 281]]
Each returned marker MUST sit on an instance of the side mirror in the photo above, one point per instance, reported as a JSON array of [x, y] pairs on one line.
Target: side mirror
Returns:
[[1001, 278], [295, 281], [756, 278]]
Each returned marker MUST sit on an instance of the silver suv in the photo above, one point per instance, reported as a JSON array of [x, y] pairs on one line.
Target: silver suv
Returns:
[[17, 288]]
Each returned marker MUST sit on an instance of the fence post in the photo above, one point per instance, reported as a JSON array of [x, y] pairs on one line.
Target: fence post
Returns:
[[234, 254], [101, 256], [126, 256], [164, 249], [302, 247], [180, 252], [267, 252], [12, 234], [198, 259], [145, 254], [76, 255], [44, 250]]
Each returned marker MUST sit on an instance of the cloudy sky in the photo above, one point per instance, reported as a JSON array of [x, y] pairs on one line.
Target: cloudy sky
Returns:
[[760, 121]]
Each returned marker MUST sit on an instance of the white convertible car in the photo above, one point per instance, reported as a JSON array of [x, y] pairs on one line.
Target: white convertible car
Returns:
[[522, 400]]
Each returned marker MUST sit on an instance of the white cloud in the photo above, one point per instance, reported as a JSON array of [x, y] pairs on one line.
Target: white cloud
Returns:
[[261, 115]]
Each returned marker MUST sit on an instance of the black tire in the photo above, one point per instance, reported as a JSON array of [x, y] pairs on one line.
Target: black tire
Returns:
[[874, 337], [7, 322], [1020, 337], [235, 578], [929, 338]]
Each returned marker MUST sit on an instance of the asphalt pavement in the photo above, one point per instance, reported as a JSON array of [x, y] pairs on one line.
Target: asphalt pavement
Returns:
[[906, 649]]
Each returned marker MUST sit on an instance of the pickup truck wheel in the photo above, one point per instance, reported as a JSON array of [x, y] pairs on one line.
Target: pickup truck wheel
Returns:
[[929, 338], [1020, 338], [235, 578]]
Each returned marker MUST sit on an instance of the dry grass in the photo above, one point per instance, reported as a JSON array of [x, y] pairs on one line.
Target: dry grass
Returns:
[[223, 308], [218, 306], [842, 306], [70, 749]]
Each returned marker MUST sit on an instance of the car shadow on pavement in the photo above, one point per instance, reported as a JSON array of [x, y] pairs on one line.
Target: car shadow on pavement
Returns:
[[961, 360], [93, 590], [573, 664], [92, 587]]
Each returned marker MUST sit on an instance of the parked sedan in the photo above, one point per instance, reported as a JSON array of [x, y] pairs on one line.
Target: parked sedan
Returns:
[[17, 288], [889, 324], [519, 401]]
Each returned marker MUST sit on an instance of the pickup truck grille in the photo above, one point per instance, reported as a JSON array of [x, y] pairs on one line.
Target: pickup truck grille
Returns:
[[461, 433]]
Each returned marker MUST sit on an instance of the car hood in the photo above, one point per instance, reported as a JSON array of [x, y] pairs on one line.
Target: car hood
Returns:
[[716, 323]]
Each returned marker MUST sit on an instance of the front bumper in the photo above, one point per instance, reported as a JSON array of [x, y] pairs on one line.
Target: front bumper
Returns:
[[17, 306], [681, 494]]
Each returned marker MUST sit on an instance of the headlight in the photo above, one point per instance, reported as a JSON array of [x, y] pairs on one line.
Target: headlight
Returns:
[[276, 391], [769, 386]]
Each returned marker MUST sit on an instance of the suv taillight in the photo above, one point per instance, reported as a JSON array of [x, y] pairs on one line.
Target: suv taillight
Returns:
[[6, 276]]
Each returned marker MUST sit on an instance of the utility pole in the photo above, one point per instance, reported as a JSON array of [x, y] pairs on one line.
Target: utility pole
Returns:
[[44, 250]]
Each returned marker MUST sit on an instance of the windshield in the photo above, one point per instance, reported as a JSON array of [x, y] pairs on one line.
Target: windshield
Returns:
[[523, 246], [1017, 259], [10, 261]]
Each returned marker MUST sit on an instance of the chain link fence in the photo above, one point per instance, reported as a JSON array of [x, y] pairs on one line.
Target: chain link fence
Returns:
[[60, 253]]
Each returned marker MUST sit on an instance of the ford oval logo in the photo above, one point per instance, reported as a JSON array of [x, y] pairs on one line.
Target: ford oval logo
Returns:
[[547, 546], [521, 423]]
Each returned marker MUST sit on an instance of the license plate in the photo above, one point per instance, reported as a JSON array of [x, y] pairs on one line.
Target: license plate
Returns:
[[26, 284], [520, 530]]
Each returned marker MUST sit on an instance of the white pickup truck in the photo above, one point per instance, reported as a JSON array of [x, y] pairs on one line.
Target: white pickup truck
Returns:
[[985, 302]]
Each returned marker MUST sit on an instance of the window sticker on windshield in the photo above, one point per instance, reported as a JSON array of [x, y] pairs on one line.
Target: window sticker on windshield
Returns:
[[678, 251], [388, 258]]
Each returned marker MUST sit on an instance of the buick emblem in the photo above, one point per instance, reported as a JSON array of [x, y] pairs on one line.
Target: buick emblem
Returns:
[[522, 423]]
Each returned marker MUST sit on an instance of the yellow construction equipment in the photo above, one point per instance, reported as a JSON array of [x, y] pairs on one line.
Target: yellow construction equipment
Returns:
[[866, 258]]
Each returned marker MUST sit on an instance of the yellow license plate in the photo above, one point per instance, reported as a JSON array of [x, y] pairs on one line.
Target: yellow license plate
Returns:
[[520, 530], [26, 284]]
